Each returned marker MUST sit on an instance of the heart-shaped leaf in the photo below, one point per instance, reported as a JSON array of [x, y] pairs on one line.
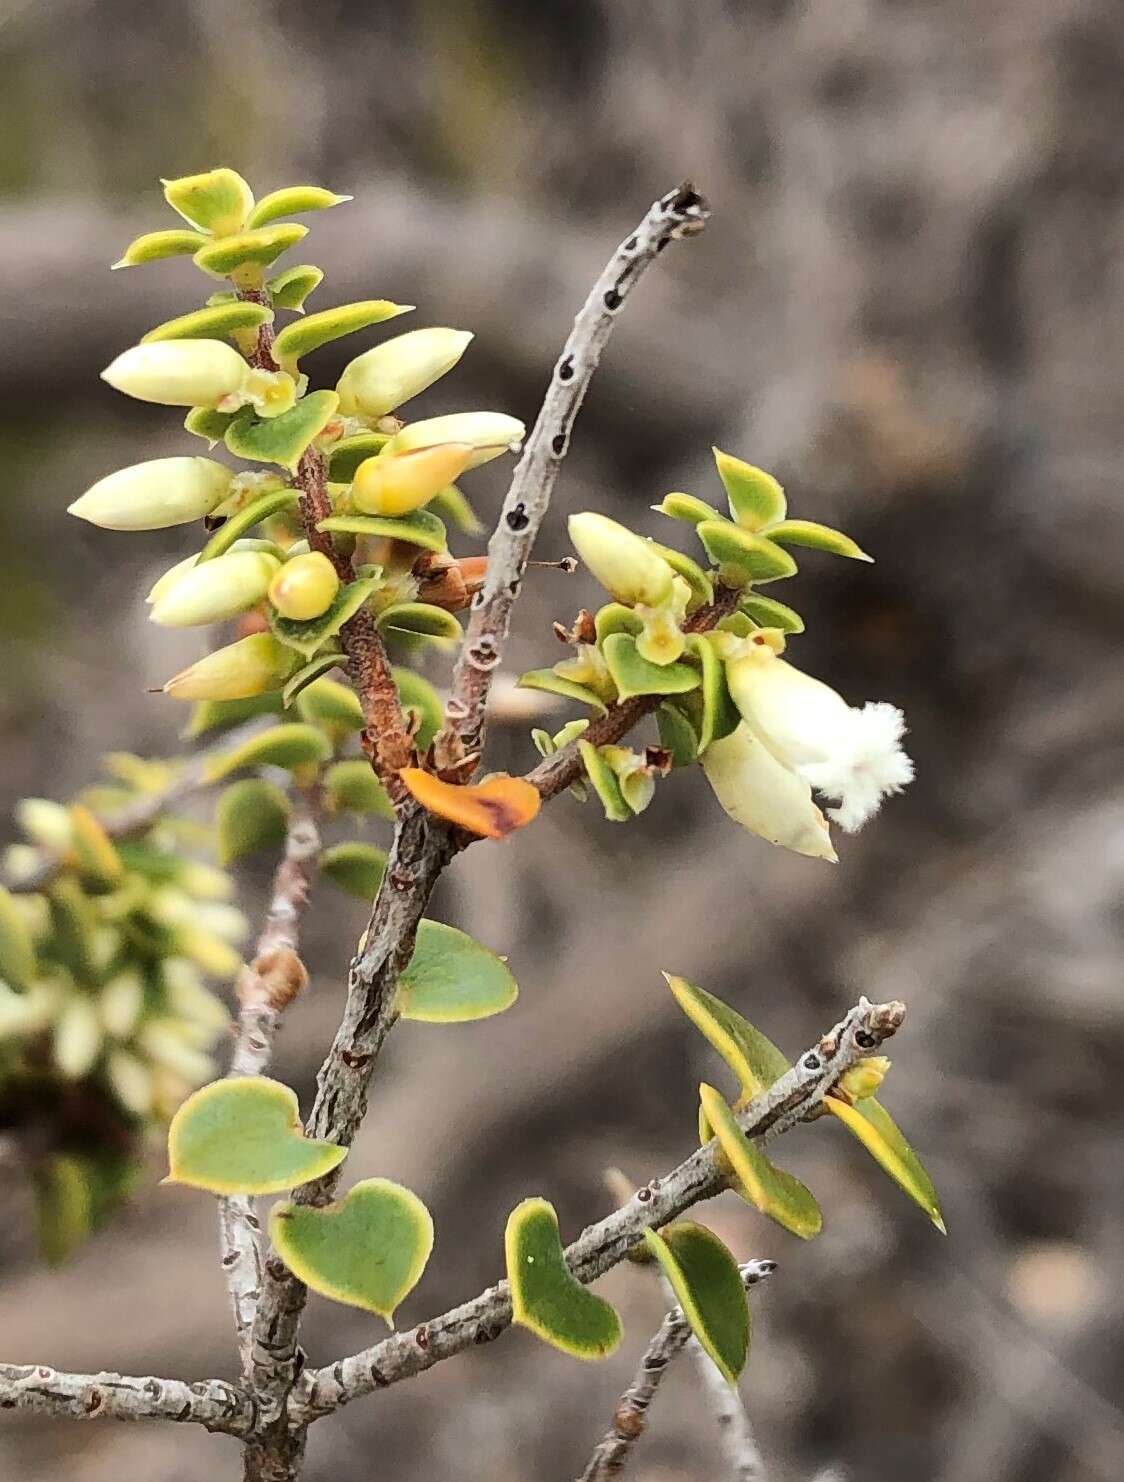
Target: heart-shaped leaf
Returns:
[[293, 200], [705, 1278], [17, 952], [216, 323], [243, 1136], [615, 617], [755, 497], [767, 612], [545, 1297], [878, 1132], [250, 515], [718, 715], [417, 695], [355, 867], [289, 289], [308, 636], [154, 246], [309, 333], [817, 538], [291, 745], [554, 684], [492, 809], [250, 815], [687, 508], [281, 439], [420, 618], [368, 1250], [345, 456], [769, 1189], [452, 979], [743, 556], [208, 424], [755, 1060], [351, 787], [314, 670], [605, 784], [634, 675], [417, 528]]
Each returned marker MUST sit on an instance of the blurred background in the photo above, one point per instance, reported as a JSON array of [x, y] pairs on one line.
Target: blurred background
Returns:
[[910, 305]]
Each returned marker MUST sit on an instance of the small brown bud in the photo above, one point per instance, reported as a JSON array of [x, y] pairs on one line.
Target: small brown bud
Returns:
[[275, 978]]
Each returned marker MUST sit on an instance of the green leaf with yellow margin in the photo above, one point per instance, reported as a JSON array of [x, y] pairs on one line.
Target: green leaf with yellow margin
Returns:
[[243, 257], [677, 735], [309, 333], [95, 854], [242, 1135], [367, 1250], [605, 783], [217, 323], [754, 1059], [17, 950], [452, 979], [292, 745], [718, 715], [304, 678], [345, 456], [702, 590], [421, 618], [253, 514], [553, 684], [281, 439], [817, 538], [251, 814], [755, 498], [307, 637], [351, 787], [687, 508], [206, 423], [634, 675], [289, 289], [545, 1296], [768, 1188], [355, 867], [417, 528], [293, 200], [767, 612], [708, 1285], [615, 617], [742, 555], [878, 1132], [155, 246]]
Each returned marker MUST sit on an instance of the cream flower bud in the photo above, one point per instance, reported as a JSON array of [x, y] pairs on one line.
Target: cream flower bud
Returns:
[[853, 755], [402, 482], [764, 796], [625, 564], [179, 373], [215, 590], [491, 434], [304, 587], [383, 378], [155, 495], [252, 666]]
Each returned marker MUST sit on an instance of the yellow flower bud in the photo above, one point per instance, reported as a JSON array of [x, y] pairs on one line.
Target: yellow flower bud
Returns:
[[252, 666], [397, 484], [304, 587], [179, 373], [217, 202], [382, 379], [214, 590], [625, 564], [491, 434], [155, 495], [863, 1078]]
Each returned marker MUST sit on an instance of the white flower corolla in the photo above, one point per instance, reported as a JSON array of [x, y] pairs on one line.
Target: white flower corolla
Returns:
[[180, 373], [490, 435], [762, 795], [627, 566], [852, 755]]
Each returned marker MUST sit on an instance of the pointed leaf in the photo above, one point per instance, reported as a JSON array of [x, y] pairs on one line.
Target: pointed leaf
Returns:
[[293, 200], [605, 783], [554, 684], [452, 979], [352, 787], [368, 1250], [217, 323], [217, 201], [879, 1134], [355, 867], [718, 715], [250, 815], [767, 612], [155, 246], [292, 745], [307, 637], [615, 617], [755, 497], [817, 538], [493, 809], [755, 1060], [281, 439], [418, 528], [345, 456], [252, 514], [687, 508], [315, 669], [634, 675], [742, 555], [289, 289], [420, 617], [418, 696], [705, 1278], [677, 735], [768, 1188], [545, 1297], [205, 422], [309, 333], [243, 1135], [241, 258]]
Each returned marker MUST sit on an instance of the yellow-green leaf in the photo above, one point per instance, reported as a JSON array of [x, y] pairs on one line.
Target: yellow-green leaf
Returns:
[[96, 856], [293, 200], [17, 951], [307, 637], [222, 715], [250, 815], [767, 612], [677, 735], [878, 1132], [422, 618], [768, 1188], [615, 617], [309, 333], [417, 528], [327, 702], [64, 1216], [292, 745], [817, 538], [708, 1285], [355, 867], [217, 323], [455, 509], [605, 783], [742, 555], [206, 423], [281, 439], [634, 675], [352, 787], [217, 201], [755, 1060], [243, 1136], [554, 684], [452, 979], [289, 289], [545, 1297], [252, 514], [243, 257], [718, 715], [687, 508], [755, 497], [418, 695], [155, 246], [702, 591], [304, 678], [368, 1250]]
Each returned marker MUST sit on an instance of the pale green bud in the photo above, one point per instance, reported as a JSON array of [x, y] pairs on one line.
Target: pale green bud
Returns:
[[304, 587], [383, 378], [155, 495], [78, 1038], [252, 666], [217, 202], [164, 584], [625, 564], [46, 823], [130, 1081], [120, 1003], [490, 433], [216, 590], [180, 373]]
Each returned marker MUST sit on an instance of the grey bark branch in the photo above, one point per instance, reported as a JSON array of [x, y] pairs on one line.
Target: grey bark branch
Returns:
[[611, 1454], [211, 1403], [794, 1097], [739, 1445]]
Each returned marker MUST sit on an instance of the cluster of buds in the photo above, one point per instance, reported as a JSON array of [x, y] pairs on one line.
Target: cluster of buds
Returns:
[[766, 735], [106, 1019], [391, 484]]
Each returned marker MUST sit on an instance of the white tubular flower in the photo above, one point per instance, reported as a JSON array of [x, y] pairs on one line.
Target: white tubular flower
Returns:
[[382, 379], [490, 434], [155, 495], [849, 754], [179, 373], [764, 796]]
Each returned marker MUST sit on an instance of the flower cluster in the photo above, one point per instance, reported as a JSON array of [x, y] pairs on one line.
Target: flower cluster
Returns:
[[704, 645]]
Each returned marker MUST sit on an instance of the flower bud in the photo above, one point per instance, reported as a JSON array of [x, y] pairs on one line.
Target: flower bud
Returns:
[[252, 666], [764, 796], [490, 433], [382, 379], [155, 495], [863, 1078], [397, 484], [179, 373], [214, 590], [304, 587], [625, 564]]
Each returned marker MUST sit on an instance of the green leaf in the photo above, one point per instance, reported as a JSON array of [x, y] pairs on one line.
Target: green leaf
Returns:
[[702, 590], [718, 715], [345, 456], [17, 950], [368, 1250], [73, 926], [243, 1135], [755, 497], [455, 509], [615, 617], [742, 555], [418, 695], [289, 289], [222, 715], [216, 323], [305, 335], [217, 201], [293, 200], [241, 258], [553, 684], [206, 423], [307, 637], [677, 735], [352, 787], [545, 1297], [634, 675], [878, 1132], [755, 1060], [304, 678], [327, 702], [252, 514], [250, 815], [767, 612], [768, 1188], [417, 528], [705, 1278], [64, 1216], [154, 246], [605, 783], [420, 617], [817, 538], [281, 439], [355, 867], [452, 979], [292, 745], [687, 508]]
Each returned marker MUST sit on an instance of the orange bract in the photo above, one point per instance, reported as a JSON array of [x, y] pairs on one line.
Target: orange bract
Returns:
[[493, 809]]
